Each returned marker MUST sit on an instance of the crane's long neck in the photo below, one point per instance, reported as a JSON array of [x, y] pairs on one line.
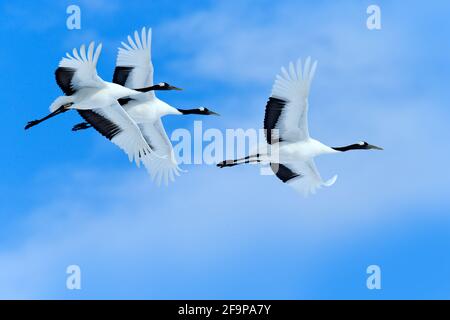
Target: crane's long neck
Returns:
[[190, 111], [147, 89], [350, 147]]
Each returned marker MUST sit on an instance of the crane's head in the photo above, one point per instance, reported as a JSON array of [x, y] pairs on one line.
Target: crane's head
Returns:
[[165, 86], [365, 146], [206, 112]]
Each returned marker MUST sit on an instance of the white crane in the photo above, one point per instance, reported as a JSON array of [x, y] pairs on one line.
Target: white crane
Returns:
[[85, 90], [134, 69], [290, 150]]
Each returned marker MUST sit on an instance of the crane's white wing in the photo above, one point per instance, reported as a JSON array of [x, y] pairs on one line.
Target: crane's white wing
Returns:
[[78, 70], [302, 176], [134, 68], [164, 167], [116, 125], [286, 116]]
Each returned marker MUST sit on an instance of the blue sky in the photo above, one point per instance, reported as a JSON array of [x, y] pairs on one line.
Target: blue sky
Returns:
[[74, 198]]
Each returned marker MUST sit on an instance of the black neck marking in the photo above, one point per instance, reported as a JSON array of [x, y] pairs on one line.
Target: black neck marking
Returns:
[[355, 146], [151, 88], [190, 111], [146, 89]]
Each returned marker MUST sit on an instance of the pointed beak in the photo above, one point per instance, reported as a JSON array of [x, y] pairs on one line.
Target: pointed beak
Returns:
[[374, 147], [175, 88], [212, 113]]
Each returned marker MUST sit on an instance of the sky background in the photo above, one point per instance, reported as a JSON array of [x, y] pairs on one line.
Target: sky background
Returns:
[[70, 198]]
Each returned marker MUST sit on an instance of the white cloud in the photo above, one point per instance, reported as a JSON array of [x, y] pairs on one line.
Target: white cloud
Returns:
[[237, 43]]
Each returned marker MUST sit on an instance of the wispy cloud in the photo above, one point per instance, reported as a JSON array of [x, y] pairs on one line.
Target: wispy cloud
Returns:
[[246, 43]]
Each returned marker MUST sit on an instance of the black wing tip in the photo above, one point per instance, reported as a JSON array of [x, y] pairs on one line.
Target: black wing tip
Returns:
[[284, 173], [104, 126], [65, 69], [124, 101], [121, 74], [81, 126], [63, 76], [274, 99], [274, 108]]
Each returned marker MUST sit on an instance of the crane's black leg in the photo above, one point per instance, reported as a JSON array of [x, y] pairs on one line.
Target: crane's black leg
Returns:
[[81, 126], [60, 110], [232, 163]]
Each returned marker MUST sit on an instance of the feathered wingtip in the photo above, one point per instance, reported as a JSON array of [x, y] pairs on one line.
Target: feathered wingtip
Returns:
[[297, 77], [137, 51], [161, 169], [330, 182], [82, 56], [144, 41], [305, 188], [165, 175], [299, 71]]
